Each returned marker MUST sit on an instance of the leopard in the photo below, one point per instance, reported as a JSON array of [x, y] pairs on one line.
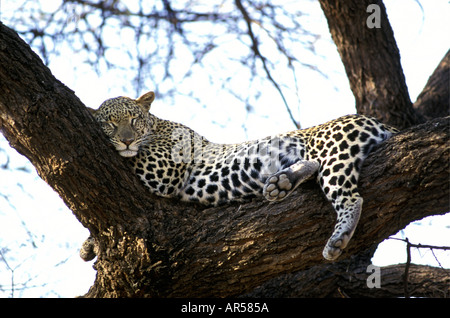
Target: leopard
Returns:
[[174, 161]]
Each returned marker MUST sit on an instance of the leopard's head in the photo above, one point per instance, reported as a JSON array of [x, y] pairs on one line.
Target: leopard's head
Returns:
[[127, 122]]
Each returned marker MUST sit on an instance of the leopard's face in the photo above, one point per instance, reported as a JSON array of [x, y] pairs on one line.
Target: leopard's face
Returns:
[[126, 122]]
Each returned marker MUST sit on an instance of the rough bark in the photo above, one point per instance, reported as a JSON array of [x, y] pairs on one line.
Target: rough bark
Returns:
[[371, 60], [150, 246]]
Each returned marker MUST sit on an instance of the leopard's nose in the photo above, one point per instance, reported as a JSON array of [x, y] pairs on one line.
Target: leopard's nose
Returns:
[[127, 141]]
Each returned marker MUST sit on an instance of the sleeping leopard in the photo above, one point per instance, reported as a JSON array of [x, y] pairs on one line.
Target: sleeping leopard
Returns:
[[174, 161]]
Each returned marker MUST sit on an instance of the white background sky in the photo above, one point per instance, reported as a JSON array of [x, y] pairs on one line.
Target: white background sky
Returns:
[[40, 237]]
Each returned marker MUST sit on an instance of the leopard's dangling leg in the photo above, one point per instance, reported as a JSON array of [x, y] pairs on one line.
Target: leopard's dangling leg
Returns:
[[279, 185], [348, 212]]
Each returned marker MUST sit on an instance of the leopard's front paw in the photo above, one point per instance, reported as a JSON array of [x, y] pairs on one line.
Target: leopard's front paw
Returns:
[[87, 251]]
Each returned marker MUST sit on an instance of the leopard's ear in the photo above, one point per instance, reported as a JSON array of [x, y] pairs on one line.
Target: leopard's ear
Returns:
[[146, 100]]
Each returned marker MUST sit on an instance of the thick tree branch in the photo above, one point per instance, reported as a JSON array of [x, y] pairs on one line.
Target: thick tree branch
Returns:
[[43, 120], [349, 278], [150, 246], [290, 235], [434, 100]]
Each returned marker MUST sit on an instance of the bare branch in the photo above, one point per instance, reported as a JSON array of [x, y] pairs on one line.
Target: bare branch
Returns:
[[409, 244], [167, 33], [434, 100], [255, 48]]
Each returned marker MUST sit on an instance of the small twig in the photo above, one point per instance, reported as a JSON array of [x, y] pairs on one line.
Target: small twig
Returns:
[[255, 48], [408, 258], [12, 273], [445, 248], [408, 263], [343, 293], [435, 257]]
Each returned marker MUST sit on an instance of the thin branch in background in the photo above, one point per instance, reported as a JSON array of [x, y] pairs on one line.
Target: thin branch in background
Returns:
[[410, 245], [408, 264], [29, 282], [435, 257], [167, 32], [255, 48], [11, 270], [445, 248]]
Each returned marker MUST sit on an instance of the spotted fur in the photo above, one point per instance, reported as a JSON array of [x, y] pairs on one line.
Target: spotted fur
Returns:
[[172, 160]]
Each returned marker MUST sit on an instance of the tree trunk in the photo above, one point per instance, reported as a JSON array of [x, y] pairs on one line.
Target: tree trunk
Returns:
[[154, 247], [371, 60]]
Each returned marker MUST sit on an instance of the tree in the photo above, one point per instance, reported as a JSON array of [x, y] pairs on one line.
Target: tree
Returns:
[[160, 247]]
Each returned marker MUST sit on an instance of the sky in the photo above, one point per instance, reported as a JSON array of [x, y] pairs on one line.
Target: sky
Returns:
[[39, 236]]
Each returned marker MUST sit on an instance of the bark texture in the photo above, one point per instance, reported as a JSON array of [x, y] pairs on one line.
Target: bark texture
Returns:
[[154, 247], [349, 278]]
